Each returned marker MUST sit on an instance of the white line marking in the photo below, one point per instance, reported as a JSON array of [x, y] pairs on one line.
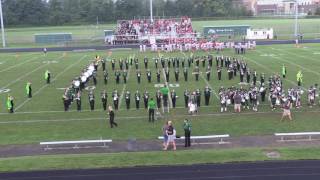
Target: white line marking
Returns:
[[144, 117], [201, 75], [166, 82], [11, 67], [39, 90], [294, 64], [124, 88], [293, 83]]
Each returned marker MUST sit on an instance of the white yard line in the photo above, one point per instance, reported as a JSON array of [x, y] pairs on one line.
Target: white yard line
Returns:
[[124, 87], [292, 63], [268, 70], [44, 86], [141, 117], [16, 65], [25, 75], [201, 75], [169, 95]]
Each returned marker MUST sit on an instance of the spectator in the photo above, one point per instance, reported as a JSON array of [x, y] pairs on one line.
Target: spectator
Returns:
[[171, 133]]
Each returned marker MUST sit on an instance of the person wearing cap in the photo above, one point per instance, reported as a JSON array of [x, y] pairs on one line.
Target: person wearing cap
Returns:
[[187, 133]]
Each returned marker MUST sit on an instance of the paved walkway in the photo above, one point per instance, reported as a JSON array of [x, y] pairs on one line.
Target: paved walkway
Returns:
[[132, 145]]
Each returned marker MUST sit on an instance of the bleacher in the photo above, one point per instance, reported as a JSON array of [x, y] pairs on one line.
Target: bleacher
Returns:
[[162, 30]]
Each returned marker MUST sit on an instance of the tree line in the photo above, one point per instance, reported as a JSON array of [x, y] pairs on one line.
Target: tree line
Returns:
[[60, 12]]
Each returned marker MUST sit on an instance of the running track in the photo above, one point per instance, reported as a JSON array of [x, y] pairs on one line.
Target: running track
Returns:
[[271, 170]]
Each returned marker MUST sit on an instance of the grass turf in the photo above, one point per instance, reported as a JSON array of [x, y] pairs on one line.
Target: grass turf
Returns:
[[54, 162], [42, 118], [93, 35]]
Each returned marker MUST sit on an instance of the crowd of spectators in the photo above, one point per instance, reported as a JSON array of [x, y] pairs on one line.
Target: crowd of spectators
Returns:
[[133, 30]]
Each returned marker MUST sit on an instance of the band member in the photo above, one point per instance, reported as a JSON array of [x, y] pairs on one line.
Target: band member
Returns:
[[103, 62], [125, 76], [176, 74], [207, 94], [139, 76], [91, 100], [219, 73], [254, 78], [78, 100], [173, 98], [145, 60], [105, 76], [113, 64], [248, 75], [146, 98], [115, 97], [117, 74], [127, 98], [137, 99], [198, 97], [104, 99], [158, 75], [158, 97], [185, 73], [208, 72], [196, 72], [148, 75], [186, 95]]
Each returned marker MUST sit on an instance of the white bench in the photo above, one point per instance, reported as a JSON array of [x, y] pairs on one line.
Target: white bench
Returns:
[[194, 138], [298, 134], [75, 143]]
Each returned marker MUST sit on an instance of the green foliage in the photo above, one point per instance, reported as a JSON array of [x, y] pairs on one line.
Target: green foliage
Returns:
[[58, 12]]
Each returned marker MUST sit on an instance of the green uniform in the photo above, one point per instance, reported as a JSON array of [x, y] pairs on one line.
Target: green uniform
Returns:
[[151, 107], [299, 78], [284, 71], [164, 90]]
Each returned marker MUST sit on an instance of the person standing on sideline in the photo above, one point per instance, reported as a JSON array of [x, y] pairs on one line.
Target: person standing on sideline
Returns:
[[151, 107], [111, 117], [187, 133], [10, 104], [47, 76], [171, 133], [29, 89], [164, 133], [299, 78], [284, 71]]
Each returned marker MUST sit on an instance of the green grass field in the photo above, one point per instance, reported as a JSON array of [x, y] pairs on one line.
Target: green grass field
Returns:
[[42, 118], [92, 34]]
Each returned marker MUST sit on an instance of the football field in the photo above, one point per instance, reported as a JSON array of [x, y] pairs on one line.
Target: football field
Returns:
[[42, 118]]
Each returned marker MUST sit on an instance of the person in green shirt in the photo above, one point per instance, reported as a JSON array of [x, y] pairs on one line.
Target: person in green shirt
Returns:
[[10, 104], [151, 107], [299, 78], [29, 90], [284, 71], [47, 76], [187, 133], [165, 91]]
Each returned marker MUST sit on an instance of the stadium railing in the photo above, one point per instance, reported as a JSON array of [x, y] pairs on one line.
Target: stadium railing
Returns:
[[76, 144], [194, 139], [297, 136]]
